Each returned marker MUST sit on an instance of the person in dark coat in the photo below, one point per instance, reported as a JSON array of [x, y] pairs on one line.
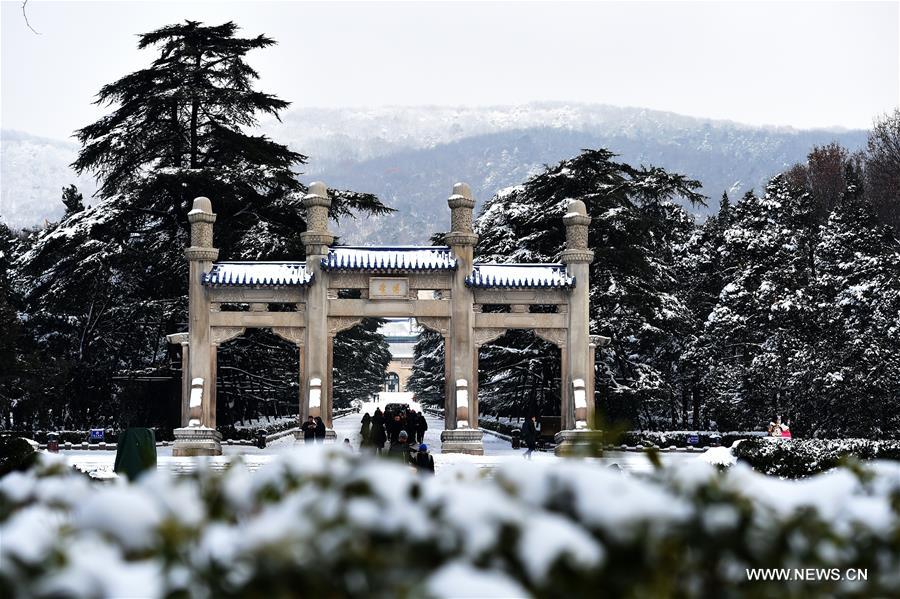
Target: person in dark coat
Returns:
[[394, 426], [423, 426], [365, 432], [411, 426], [423, 460], [529, 436], [379, 436], [309, 430], [320, 430], [400, 449]]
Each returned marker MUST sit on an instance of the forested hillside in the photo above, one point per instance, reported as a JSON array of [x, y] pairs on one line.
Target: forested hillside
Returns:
[[785, 302], [408, 156]]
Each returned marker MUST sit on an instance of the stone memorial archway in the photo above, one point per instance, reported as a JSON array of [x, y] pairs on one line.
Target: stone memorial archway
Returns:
[[442, 287]]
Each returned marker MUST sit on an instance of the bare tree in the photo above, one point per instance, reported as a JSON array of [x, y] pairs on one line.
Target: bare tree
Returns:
[[882, 168]]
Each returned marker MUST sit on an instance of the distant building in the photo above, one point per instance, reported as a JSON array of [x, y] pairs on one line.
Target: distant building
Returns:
[[401, 336]]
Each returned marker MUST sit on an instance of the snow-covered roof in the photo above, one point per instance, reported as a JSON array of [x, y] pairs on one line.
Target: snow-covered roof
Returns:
[[263, 274], [389, 259], [520, 276]]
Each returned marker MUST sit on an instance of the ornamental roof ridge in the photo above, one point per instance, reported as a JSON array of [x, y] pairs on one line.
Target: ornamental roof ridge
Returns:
[[378, 248], [519, 276]]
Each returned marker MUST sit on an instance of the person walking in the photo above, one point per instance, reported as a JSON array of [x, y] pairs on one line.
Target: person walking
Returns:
[[378, 435], [529, 436], [412, 426], [423, 460], [365, 433], [320, 430], [400, 449], [394, 426], [309, 430], [423, 426]]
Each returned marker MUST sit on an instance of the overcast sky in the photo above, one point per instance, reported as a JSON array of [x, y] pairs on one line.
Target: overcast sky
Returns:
[[803, 64]]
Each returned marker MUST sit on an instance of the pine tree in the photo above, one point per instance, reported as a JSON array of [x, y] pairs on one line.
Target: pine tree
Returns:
[[764, 312], [105, 285], [852, 374], [427, 378], [634, 233], [361, 356]]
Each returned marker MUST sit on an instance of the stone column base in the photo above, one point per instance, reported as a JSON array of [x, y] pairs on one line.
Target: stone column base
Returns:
[[580, 442], [462, 440], [197, 441]]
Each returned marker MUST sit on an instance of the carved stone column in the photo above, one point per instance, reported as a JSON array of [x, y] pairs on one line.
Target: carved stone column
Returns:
[[462, 403], [579, 369], [316, 240], [201, 440]]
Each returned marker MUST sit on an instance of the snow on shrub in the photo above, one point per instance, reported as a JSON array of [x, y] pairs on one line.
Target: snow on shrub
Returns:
[[319, 522], [797, 458]]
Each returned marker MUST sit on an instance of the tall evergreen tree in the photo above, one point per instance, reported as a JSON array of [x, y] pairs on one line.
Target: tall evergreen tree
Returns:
[[634, 233], [106, 284], [850, 378], [764, 311]]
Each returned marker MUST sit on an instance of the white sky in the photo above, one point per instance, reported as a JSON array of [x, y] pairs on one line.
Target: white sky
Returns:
[[802, 64]]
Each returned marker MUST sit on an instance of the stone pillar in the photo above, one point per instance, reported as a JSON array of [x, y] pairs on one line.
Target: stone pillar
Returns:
[[213, 388], [303, 409], [185, 382], [579, 370], [202, 439], [317, 239], [183, 341], [463, 434], [449, 388]]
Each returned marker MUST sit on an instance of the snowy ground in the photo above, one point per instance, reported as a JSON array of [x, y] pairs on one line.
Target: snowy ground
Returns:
[[496, 451]]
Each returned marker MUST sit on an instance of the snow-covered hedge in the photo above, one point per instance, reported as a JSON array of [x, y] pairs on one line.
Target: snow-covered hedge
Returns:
[[797, 458], [319, 522]]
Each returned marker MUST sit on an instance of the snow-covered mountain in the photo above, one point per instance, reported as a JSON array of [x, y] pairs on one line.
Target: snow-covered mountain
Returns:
[[33, 171], [411, 156]]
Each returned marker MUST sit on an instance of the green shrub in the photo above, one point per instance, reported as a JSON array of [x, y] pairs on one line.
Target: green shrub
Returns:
[[320, 522], [798, 458], [15, 454]]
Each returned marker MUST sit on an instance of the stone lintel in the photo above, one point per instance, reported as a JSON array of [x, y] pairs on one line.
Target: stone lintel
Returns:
[[267, 295], [257, 319], [516, 296], [494, 320], [400, 308]]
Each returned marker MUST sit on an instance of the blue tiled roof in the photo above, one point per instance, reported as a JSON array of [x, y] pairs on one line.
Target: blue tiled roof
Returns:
[[257, 274], [389, 259], [520, 276]]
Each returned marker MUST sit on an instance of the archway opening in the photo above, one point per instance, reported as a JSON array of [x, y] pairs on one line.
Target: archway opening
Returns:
[[360, 360], [519, 375], [258, 380]]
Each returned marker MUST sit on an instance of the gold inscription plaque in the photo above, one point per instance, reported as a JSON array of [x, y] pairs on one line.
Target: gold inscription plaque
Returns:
[[388, 288]]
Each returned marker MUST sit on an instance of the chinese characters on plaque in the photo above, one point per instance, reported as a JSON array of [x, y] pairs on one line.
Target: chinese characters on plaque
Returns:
[[388, 288]]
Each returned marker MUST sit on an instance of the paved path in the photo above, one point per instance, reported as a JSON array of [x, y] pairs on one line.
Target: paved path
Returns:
[[496, 451]]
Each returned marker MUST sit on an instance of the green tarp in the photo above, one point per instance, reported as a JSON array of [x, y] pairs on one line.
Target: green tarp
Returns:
[[135, 452]]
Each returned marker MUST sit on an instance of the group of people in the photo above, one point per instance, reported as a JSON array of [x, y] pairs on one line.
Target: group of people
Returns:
[[405, 434], [313, 430], [780, 429]]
